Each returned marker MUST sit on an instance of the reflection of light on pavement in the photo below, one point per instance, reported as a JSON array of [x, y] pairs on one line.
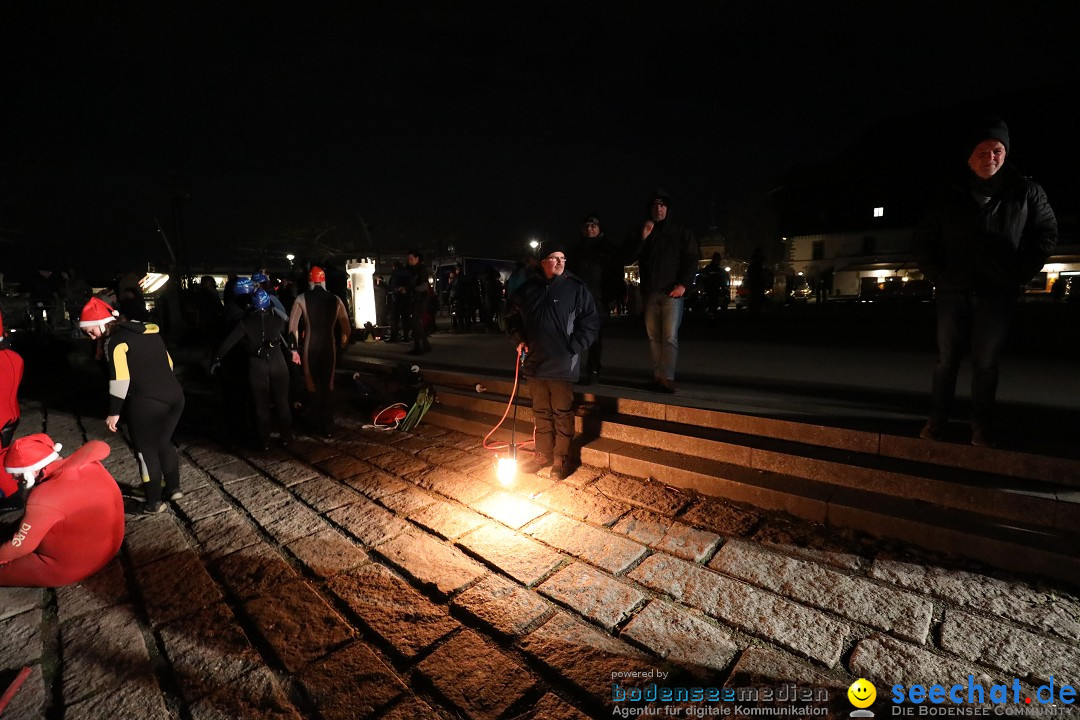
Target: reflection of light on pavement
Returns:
[[506, 471]]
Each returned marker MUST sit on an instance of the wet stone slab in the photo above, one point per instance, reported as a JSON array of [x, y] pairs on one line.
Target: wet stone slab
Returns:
[[102, 651], [585, 505], [103, 589], [430, 562], [207, 651], [371, 524], [403, 618], [525, 560], [138, 697], [343, 466], [500, 604], [175, 587], [447, 519], [327, 553], [223, 534], [351, 684], [376, 483], [325, 494], [291, 472], [20, 639], [16, 601], [602, 548], [408, 500], [202, 503], [255, 696], [291, 522], [153, 537], [298, 624], [257, 493], [253, 571], [464, 489], [232, 472], [678, 635], [592, 594], [476, 677], [649, 495], [720, 517]]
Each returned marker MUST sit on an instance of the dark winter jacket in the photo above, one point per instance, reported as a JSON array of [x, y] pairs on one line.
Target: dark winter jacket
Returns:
[[668, 257], [594, 261], [557, 319], [993, 249]]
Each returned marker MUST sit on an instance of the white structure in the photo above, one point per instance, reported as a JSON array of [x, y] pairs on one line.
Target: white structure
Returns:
[[852, 256], [362, 286]]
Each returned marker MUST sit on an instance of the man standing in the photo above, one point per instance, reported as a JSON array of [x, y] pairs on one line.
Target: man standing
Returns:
[[420, 299], [326, 327], [593, 261], [553, 319], [984, 237], [667, 256]]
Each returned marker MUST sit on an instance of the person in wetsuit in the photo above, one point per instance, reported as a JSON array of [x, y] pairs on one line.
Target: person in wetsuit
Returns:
[[74, 520], [141, 380], [261, 336], [11, 372]]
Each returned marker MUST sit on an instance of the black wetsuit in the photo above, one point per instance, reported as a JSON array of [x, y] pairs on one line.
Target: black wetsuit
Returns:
[[141, 378], [260, 335]]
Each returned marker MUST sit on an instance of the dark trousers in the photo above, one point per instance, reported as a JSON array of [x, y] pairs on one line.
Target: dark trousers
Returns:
[[416, 322], [399, 317], [152, 424], [269, 379], [975, 324], [553, 415]]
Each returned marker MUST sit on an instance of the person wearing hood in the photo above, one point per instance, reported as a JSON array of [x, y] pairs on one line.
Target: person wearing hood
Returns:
[[141, 381], [325, 329], [553, 319], [595, 260], [667, 256], [984, 236], [74, 519]]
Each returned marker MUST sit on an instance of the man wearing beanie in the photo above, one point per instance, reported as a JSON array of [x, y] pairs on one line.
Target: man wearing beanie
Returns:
[[594, 261], [983, 238], [667, 256], [553, 320]]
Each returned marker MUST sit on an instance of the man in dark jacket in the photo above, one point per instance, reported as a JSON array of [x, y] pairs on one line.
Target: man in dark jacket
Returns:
[[983, 238], [419, 301], [594, 261], [553, 319], [667, 256]]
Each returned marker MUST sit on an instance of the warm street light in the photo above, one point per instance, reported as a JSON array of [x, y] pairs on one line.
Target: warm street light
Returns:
[[534, 244]]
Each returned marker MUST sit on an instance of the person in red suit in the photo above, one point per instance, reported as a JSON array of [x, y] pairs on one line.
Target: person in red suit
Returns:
[[11, 372], [74, 520]]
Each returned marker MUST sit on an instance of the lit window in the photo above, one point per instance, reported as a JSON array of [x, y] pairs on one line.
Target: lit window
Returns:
[[879, 212]]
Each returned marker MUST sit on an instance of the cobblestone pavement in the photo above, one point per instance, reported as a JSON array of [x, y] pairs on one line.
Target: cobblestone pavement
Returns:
[[387, 575]]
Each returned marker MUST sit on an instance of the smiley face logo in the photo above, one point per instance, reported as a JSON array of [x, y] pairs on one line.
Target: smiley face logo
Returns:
[[862, 693]]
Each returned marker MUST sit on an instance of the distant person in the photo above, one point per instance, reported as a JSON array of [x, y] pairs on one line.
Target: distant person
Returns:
[[553, 319], [262, 280], [209, 307], [74, 519], [261, 335], [11, 372], [593, 255], [398, 289], [758, 281], [420, 298], [716, 283], [141, 380], [1057, 290], [667, 256], [132, 305], [319, 326], [986, 234]]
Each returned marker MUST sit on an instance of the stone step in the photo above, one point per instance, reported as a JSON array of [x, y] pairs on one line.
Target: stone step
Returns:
[[1001, 496], [1011, 545]]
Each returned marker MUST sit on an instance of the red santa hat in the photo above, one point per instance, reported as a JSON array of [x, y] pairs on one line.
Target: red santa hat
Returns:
[[97, 313], [29, 454]]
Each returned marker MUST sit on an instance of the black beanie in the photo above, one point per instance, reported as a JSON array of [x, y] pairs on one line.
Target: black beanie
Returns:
[[552, 247], [592, 218], [990, 129]]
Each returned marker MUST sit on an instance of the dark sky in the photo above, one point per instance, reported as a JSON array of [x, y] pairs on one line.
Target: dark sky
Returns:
[[486, 122]]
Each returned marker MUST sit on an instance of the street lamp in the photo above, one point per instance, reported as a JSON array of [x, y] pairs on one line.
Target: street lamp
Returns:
[[535, 245], [290, 257]]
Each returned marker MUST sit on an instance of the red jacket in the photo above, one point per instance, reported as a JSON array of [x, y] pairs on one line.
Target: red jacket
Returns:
[[11, 372], [73, 526]]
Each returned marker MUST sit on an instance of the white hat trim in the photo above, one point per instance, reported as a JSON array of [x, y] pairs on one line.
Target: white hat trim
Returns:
[[39, 464], [103, 322]]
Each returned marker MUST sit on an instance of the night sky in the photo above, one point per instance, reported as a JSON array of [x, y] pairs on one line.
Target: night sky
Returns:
[[478, 124]]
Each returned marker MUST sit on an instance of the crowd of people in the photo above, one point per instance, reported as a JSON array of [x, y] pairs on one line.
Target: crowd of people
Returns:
[[989, 230]]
